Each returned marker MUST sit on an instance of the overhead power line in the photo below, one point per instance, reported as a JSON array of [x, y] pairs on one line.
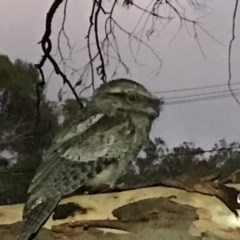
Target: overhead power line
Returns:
[[195, 88], [199, 99], [236, 90], [197, 96]]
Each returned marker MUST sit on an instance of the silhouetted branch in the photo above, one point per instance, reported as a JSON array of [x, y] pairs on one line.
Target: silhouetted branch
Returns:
[[230, 46], [102, 43], [101, 68], [46, 45]]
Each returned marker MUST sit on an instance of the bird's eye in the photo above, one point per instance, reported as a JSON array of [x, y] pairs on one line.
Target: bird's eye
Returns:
[[131, 98]]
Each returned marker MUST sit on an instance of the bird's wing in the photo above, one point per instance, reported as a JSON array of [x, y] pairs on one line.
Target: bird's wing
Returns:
[[95, 142], [76, 160], [50, 158]]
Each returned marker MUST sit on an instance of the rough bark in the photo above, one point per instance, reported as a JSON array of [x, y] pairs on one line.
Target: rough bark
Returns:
[[148, 213]]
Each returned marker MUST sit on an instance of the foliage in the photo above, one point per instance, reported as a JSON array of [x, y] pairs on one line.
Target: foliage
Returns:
[[160, 162], [188, 158], [23, 135], [70, 111]]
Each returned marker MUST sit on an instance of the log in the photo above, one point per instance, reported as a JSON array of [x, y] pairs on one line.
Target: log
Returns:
[[148, 213]]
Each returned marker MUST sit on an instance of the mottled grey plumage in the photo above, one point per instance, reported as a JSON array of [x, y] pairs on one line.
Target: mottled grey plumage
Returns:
[[95, 150]]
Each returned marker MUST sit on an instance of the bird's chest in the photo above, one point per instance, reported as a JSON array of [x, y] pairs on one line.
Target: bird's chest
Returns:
[[107, 177], [125, 151]]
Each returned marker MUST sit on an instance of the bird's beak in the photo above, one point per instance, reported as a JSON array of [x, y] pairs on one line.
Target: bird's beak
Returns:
[[156, 103]]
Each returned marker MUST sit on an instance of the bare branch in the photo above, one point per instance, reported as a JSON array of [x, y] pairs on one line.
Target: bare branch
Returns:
[[103, 48], [89, 43], [230, 52], [101, 68], [47, 48]]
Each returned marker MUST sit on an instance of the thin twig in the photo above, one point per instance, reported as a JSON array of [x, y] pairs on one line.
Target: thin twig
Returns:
[[230, 53]]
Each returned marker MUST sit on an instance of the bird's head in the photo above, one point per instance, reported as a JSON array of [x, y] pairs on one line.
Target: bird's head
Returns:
[[126, 96]]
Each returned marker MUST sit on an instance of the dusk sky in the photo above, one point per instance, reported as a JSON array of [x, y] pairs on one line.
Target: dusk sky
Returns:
[[22, 25]]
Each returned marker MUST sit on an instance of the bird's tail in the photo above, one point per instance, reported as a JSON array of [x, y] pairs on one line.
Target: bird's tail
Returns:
[[36, 217]]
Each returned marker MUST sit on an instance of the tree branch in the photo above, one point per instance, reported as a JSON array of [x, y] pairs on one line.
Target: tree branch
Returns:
[[46, 45], [230, 46]]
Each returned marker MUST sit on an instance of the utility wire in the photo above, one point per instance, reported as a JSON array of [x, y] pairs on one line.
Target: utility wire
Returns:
[[194, 88], [199, 99], [236, 90]]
